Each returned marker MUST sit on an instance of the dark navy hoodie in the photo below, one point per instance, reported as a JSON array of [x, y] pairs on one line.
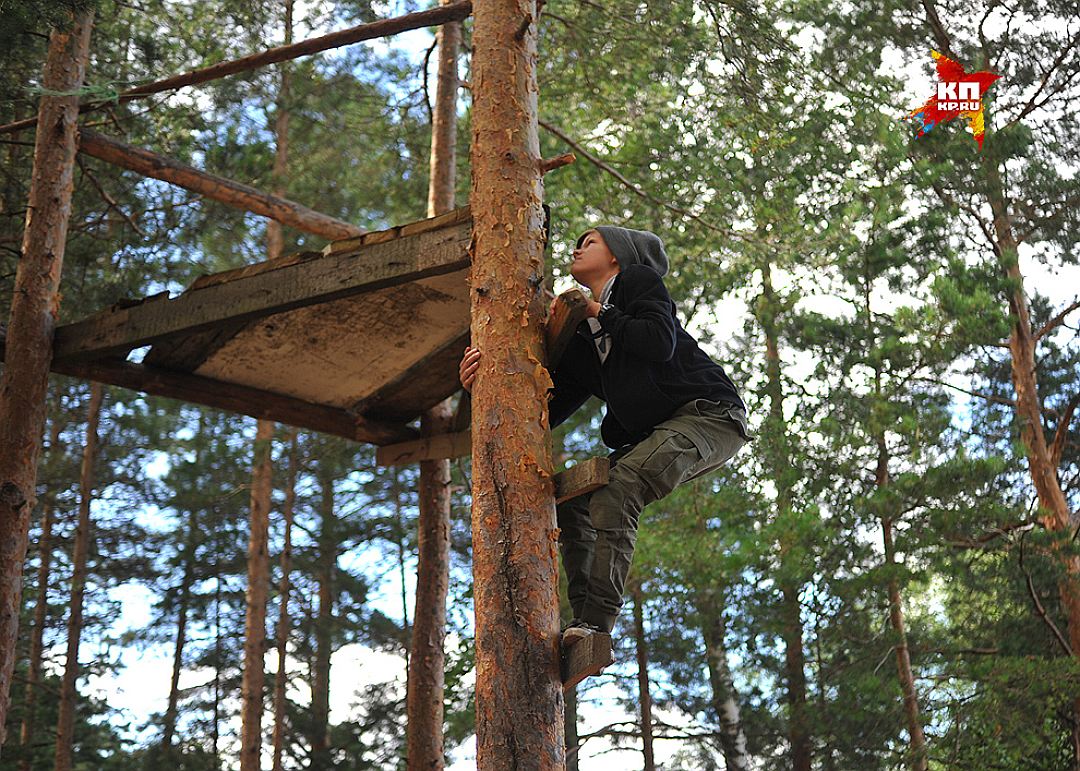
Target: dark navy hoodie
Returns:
[[654, 366]]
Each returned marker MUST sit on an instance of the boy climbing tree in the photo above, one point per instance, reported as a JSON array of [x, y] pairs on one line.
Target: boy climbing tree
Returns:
[[673, 414]]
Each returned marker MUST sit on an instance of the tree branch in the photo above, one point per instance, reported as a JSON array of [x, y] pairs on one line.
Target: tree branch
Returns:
[[633, 187], [1039, 609], [1061, 433], [1032, 103], [1055, 322]]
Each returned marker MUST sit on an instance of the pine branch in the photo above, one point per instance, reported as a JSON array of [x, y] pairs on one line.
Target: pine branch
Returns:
[[1061, 433], [632, 186], [1039, 609], [1057, 321]]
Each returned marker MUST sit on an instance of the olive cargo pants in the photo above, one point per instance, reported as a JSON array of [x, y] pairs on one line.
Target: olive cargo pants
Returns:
[[598, 530]]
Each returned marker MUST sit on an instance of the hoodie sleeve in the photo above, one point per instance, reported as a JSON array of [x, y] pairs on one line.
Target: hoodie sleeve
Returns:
[[565, 399], [646, 326]]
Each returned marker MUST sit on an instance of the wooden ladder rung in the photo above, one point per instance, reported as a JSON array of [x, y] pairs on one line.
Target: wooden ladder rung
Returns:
[[587, 657]]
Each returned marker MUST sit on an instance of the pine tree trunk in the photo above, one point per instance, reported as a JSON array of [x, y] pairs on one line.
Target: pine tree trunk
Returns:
[[644, 699], [519, 701], [34, 307], [41, 612], [725, 702], [399, 520], [284, 589], [258, 589], [918, 760], [168, 729], [65, 724], [425, 743], [1054, 508], [570, 729], [320, 686], [780, 463]]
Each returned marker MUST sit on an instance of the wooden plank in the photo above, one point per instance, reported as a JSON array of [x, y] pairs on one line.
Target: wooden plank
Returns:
[[449, 219], [187, 352], [374, 402], [463, 414], [221, 189], [587, 657], [370, 30], [584, 477], [571, 308], [264, 294], [428, 448], [236, 398], [224, 276]]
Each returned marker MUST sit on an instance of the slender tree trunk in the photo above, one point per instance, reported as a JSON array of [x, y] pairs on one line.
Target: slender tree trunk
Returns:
[[258, 589], [790, 606], [425, 743], [284, 589], [519, 701], [725, 702], [215, 732], [399, 521], [41, 612], [570, 729], [169, 724], [320, 687], [644, 699], [1053, 506], [34, 307], [65, 725], [918, 760]]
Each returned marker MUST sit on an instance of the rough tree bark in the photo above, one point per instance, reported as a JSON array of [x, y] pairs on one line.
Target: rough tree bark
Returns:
[[779, 462], [284, 589], [644, 700], [519, 702], [34, 309], [725, 702], [65, 723], [424, 732], [258, 589], [41, 611]]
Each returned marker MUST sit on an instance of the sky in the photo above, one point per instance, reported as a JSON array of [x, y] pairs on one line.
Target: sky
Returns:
[[141, 685]]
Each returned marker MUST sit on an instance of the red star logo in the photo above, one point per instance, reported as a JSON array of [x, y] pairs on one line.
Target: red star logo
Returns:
[[956, 97]]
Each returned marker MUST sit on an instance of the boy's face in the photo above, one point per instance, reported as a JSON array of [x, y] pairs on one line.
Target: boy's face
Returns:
[[592, 258]]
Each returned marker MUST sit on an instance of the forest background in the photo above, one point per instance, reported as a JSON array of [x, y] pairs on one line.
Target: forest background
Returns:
[[874, 583]]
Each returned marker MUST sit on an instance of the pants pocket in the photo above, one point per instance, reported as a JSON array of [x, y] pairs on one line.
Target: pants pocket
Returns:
[[670, 462]]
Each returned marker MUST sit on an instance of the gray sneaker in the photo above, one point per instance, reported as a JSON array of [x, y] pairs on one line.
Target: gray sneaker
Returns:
[[578, 630]]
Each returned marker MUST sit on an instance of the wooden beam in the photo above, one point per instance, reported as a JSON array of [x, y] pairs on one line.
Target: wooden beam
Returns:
[[235, 398], [428, 448], [221, 189], [584, 477], [581, 478], [369, 31], [408, 258], [571, 308], [463, 414], [587, 657], [372, 402]]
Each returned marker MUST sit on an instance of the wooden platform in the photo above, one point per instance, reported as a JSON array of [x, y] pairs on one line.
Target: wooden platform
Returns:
[[357, 340]]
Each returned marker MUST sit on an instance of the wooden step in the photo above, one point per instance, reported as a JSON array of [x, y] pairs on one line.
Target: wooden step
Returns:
[[587, 657]]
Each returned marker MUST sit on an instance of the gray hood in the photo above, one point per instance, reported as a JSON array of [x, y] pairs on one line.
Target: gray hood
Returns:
[[633, 247]]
